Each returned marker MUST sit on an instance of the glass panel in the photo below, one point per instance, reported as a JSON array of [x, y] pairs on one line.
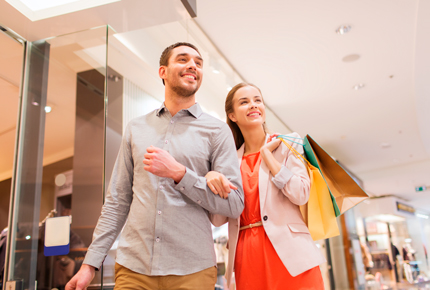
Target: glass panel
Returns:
[[11, 61], [61, 154]]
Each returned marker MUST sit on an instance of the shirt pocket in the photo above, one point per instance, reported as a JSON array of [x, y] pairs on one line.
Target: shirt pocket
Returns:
[[299, 228]]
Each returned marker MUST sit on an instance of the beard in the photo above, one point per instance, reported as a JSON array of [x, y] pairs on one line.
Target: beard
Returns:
[[184, 92]]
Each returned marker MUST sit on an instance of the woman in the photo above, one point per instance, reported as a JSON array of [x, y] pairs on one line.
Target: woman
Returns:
[[269, 245]]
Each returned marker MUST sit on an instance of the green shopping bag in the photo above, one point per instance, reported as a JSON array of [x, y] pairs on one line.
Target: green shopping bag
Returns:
[[345, 192]]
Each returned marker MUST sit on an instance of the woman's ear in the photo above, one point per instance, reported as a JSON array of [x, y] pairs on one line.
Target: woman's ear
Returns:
[[232, 117]]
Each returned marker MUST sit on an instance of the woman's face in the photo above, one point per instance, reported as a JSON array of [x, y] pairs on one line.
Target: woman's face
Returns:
[[248, 107]]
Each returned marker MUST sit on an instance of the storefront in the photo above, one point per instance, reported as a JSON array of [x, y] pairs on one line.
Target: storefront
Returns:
[[393, 239]]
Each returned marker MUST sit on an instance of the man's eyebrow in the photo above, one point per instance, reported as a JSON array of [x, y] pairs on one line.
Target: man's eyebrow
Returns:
[[186, 54]]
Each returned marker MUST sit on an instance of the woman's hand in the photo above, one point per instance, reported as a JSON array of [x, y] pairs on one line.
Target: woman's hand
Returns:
[[266, 154], [272, 145], [271, 136], [219, 184]]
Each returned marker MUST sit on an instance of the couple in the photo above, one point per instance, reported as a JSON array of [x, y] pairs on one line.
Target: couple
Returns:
[[173, 176]]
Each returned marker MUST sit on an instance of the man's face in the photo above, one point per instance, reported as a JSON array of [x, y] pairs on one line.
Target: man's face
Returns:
[[184, 72]]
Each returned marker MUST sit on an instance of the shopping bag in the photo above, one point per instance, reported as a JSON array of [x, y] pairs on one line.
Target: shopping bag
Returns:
[[345, 192], [318, 213]]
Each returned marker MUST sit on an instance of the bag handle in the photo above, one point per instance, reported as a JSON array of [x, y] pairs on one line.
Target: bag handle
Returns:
[[291, 139], [294, 151]]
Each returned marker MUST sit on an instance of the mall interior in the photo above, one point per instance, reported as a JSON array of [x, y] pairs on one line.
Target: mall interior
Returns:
[[352, 74]]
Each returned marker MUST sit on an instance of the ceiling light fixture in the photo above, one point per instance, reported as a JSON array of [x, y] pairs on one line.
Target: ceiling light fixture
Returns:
[[343, 29], [48, 109], [358, 87], [351, 58], [424, 216], [41, 9]]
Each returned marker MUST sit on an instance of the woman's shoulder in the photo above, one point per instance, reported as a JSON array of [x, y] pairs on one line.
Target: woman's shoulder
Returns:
[[293, 134], [295, 140]]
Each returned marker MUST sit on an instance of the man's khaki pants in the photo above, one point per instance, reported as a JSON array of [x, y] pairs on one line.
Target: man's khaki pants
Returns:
[[126, 279]]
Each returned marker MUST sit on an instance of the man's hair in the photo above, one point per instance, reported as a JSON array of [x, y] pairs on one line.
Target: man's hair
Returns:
[[164, 59]]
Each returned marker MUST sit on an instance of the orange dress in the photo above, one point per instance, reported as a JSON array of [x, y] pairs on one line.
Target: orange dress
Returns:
[[257, 265]]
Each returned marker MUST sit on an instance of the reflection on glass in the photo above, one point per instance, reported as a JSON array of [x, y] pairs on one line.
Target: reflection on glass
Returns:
[[63, 175], [11, 59]]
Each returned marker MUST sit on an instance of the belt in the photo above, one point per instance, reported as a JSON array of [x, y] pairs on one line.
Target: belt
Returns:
[[250, 226]]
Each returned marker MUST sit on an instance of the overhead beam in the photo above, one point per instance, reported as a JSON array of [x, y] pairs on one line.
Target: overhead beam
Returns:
[[191, 6]]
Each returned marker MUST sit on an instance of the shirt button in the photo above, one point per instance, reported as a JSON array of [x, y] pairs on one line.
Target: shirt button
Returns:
[[265, 218], [157, 239], [161, 187], [159, 212], [171, 121], [199, 201], [182, 188], [166, 141]]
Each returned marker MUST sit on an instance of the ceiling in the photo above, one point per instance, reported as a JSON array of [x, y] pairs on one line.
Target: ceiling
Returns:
[[291, 51]]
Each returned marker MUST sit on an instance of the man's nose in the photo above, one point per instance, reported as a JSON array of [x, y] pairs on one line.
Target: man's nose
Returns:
[[192, 65]]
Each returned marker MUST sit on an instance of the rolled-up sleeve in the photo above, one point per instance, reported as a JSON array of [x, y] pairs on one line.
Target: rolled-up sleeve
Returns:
[[223, 160], [283, 176]]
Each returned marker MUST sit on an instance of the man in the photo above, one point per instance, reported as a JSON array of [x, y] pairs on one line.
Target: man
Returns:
[[158, 186]]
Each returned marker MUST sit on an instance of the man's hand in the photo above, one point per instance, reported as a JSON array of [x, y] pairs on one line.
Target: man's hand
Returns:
[[219, 184], [159, 162], [82, 279]]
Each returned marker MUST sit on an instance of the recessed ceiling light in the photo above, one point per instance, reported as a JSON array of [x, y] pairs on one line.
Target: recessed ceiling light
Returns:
[[351, 58], [343, 29], [358, 87], [48, 109]]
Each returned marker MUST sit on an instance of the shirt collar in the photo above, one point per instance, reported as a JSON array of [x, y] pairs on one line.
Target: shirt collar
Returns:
[[194, 110]]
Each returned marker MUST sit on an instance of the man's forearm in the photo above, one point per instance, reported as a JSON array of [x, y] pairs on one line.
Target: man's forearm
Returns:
[[195, 188]]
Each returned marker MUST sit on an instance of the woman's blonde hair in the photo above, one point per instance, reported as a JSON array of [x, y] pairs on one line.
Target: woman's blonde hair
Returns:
[[237, 134]]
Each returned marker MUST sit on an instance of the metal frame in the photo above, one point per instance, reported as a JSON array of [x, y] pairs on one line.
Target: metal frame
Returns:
[[8, 269]]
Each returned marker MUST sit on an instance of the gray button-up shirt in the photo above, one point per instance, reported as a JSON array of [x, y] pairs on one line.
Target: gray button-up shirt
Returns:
[[168, 231]]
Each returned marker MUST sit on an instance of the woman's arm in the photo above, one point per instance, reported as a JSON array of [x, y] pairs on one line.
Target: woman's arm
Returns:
[[269, 159], [291, 177]]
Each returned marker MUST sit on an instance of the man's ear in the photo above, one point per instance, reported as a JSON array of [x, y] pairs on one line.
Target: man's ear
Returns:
[[232, 117], [162, 72]]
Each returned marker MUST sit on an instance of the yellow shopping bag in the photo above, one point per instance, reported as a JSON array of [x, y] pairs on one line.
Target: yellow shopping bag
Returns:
[[318, 212]]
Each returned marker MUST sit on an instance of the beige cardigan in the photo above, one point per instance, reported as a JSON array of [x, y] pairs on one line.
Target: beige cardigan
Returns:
[[280, 212]]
